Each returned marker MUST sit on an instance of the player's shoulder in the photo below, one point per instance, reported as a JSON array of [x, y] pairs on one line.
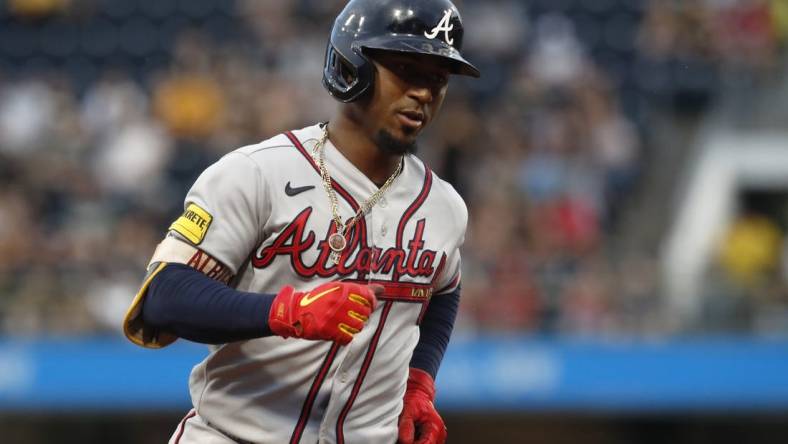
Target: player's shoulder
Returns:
[[450, 193], [442, 194], [279, 148]]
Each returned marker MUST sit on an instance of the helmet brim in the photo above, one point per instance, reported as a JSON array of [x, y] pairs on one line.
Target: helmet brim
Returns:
[[429, 47]]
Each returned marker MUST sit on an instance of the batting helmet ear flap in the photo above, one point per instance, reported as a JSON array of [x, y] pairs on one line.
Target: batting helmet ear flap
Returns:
[[345, 80]]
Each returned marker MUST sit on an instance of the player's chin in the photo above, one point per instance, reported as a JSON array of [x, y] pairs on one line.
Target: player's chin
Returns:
[[407, 133], [407, 138], [397, 141]]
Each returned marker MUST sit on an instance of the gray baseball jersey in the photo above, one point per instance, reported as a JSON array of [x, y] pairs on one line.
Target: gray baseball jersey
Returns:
[[259, 219]]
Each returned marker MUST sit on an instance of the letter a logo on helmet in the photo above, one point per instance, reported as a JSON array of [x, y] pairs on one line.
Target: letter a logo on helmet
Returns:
[[445, 26]]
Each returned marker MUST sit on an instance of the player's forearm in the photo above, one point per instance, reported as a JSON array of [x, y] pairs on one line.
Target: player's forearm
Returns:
[[435, 331], [189, 304]]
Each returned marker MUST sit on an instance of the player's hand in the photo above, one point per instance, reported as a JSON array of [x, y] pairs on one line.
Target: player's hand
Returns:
[[419, 422], [334, 311]]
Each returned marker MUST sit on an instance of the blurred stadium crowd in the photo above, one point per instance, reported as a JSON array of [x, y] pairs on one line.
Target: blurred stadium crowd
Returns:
[[109, 109]]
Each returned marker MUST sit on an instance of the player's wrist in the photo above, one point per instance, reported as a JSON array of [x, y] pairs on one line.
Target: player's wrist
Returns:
[[421, 382], [280, 315]]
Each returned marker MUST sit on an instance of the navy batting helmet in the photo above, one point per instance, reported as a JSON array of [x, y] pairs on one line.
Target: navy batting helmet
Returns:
[[429, 27]]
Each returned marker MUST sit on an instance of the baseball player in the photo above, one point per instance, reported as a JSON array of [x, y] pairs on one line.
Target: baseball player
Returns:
[[322, 265]]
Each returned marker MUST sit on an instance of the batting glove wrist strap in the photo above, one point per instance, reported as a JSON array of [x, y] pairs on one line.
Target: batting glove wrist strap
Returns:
[[334, 311], [421, 381]]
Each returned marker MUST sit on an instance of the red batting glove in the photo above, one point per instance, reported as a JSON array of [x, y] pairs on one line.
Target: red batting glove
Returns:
[[419, 422], [334, 311]]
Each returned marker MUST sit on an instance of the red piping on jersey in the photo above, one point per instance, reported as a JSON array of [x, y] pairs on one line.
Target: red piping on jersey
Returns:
[[436, 276], [182, 426], [362, 373], [450, 284], [306, 409], [361, 223], [439, 270], [425, 191]]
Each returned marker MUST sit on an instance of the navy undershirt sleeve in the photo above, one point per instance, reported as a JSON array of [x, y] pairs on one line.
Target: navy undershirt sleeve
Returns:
[[190, 305], [435, 331]]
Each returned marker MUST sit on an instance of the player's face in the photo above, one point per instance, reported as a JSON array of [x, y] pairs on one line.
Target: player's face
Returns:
[[409, 92]]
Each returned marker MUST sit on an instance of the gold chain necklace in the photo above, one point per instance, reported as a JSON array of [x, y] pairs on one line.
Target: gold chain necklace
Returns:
[[337, 241]]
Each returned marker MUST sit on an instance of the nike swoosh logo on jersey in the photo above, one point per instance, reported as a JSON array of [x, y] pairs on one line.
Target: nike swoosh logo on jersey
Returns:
[[290, 191], [308, 298]]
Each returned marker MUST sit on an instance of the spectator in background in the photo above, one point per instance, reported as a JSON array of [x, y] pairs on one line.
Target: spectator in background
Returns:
[[779, 14], [614, 145], [743, 275], [27, 116], [750, 250], [745, 34], [36, 8]]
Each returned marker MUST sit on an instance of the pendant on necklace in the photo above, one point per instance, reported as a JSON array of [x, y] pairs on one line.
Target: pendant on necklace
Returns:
[[337, 242]]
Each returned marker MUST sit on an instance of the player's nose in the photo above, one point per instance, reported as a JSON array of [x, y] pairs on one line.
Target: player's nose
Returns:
[[421, 93]]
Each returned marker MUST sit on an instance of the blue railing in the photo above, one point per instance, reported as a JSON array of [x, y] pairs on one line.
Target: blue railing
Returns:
[[726, 374]]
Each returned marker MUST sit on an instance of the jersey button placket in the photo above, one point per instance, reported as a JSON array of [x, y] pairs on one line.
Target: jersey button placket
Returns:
[[347, 361], [372, 220], [381, 215]]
